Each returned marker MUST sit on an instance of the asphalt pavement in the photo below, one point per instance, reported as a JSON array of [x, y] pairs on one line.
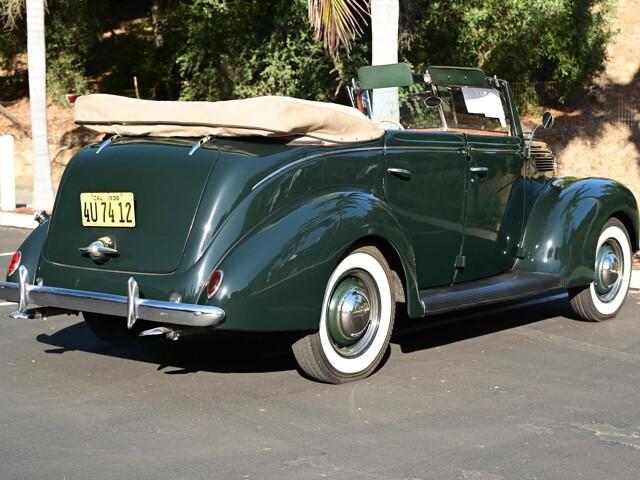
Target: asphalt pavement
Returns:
[[521, 392]]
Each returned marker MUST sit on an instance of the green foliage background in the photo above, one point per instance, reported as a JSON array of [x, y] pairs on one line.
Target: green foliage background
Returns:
[[221, 49]]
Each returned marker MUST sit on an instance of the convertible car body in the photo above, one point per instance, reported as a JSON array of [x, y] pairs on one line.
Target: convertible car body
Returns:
[[277, 214]]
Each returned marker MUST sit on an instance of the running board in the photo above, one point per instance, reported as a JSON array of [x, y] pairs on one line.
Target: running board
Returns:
[[500, 288]]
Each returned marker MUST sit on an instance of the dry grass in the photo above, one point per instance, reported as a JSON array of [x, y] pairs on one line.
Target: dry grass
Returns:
[[612, 156], [589, 138], [65, 139]]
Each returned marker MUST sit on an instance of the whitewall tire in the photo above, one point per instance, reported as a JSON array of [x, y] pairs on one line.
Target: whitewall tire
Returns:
[[356, 320], [604, 297]]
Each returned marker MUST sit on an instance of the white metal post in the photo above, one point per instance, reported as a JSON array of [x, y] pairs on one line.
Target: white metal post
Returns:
[[36, 61], [7, 174], [384, 50]]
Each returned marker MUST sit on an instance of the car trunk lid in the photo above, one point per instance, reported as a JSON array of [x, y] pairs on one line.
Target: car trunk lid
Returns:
[[167, 185]]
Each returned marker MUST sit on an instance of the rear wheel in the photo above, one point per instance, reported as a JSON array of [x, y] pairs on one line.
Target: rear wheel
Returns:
[[356, 321], [604, 297], [111, 329]]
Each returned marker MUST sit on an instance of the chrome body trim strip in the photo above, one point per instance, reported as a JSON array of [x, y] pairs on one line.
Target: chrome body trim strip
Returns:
[[428, 148], [130, 306], [496, 149]]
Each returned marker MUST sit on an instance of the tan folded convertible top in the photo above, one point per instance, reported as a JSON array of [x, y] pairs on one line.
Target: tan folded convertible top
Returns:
[[259, 116]]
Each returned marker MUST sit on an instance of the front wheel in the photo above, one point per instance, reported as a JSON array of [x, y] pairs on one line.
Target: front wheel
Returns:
[[604, 297], [355, 323]]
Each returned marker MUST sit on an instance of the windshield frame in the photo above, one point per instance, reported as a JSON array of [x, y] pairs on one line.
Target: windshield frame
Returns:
[[362, 100]]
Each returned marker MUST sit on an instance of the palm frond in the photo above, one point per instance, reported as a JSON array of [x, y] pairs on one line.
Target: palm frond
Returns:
[[338, 22]]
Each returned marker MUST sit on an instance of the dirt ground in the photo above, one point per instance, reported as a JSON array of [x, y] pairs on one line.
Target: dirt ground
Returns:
[[599, 135], [65, 139]]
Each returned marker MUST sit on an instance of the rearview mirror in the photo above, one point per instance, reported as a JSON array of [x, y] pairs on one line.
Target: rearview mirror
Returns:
[[433, 102]]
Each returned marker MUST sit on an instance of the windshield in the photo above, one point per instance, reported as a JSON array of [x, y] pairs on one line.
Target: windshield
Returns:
[[462, 107]]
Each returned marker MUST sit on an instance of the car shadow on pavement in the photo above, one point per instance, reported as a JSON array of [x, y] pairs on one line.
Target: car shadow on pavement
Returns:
[[220, 352], [225, 352], [412, 335]]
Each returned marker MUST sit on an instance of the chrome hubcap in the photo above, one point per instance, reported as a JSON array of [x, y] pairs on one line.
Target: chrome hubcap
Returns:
[[353, 313], [609, 270]]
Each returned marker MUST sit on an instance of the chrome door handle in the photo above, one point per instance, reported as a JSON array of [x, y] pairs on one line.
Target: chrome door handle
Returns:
[[399, 172], [479, 170]]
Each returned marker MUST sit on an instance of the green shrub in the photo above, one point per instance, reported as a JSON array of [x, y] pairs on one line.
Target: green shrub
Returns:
[[220, 49], [560, 41]]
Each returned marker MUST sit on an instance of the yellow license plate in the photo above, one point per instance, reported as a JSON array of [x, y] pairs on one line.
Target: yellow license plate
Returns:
[[108, 209]]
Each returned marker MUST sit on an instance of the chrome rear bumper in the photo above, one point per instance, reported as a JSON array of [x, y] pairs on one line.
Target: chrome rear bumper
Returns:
[[130, 306]]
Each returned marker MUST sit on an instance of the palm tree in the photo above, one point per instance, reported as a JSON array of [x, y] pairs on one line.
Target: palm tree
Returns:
[[36, 53], [338, 22]]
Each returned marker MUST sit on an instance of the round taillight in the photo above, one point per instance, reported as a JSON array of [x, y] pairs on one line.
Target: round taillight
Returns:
[[14, 263], [213, 285]]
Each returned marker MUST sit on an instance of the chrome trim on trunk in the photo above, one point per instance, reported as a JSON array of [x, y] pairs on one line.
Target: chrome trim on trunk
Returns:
[[130, 306]]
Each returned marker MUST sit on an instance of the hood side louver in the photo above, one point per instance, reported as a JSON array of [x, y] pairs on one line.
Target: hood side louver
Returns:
[[543, 158]]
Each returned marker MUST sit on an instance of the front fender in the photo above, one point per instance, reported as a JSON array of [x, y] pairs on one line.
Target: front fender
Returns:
[[564, 225], [31, 249], [275, 277]]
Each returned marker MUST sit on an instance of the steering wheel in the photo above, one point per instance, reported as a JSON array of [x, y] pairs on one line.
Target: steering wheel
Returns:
[[391, 121]]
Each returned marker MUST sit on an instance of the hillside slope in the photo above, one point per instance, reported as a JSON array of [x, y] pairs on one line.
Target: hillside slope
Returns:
[[599, 135]]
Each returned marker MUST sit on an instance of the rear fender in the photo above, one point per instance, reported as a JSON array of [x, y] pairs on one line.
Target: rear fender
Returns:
[[275, 276], [31, 250], [565, 222]]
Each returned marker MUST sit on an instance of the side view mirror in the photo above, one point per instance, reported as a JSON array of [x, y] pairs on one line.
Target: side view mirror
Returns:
[[547, 122]]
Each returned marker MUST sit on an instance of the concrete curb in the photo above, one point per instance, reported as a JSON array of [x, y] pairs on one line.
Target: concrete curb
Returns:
[[635, 280], [18, 220]]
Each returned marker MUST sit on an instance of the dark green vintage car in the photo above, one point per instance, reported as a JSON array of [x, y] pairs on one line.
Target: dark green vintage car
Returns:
[[276, 214]]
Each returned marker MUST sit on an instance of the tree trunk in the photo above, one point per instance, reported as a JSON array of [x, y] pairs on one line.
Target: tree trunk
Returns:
[[42, 187], [155, 21], [384, 32], [21, 128]]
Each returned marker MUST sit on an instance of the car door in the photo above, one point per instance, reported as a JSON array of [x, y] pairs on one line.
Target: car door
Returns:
[[425, 185], [495, 206]]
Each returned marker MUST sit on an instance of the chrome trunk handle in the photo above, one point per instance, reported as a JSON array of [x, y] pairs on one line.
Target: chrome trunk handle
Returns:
[[98, 249], [101, 250]]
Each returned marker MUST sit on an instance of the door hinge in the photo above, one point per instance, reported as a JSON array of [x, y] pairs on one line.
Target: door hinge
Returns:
[[461, 261], [521, 252]]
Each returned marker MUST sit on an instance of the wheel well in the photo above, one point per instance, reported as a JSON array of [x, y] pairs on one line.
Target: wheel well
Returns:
[[392, 258], [628, 224]]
